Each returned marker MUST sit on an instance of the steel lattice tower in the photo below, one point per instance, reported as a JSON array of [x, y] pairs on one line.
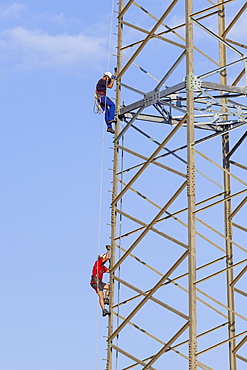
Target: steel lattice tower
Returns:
[[178, 212]]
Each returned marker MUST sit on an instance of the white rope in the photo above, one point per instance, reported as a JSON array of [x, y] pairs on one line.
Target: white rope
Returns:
[[100, 202], [110, 37], [110, 43], [96, 108]]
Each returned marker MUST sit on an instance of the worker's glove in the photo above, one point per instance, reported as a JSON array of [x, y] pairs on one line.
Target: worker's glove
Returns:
[[113, 77], [108, 247], [115, 69]]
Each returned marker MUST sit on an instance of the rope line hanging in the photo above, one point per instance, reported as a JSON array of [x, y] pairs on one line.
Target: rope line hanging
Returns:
[[98, 109], [109, 51]]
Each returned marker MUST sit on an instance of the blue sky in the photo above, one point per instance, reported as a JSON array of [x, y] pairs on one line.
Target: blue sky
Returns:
[[53, 149], [52, 54]]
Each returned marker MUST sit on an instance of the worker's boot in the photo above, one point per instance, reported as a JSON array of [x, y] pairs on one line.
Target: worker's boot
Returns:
[[110, 129], [105, 312], [106, 300]]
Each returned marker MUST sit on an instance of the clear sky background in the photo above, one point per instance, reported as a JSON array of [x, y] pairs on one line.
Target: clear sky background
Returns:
[[52, 151], [51, 55]]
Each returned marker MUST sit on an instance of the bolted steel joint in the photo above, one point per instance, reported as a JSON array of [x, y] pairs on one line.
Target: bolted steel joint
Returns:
[[192, 82], [151, 98]]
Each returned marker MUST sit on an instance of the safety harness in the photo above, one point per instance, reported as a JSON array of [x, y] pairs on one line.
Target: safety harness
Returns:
[[98, 106]]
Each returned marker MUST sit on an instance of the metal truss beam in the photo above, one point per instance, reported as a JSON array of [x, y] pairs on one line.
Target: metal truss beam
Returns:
[[158, 192]]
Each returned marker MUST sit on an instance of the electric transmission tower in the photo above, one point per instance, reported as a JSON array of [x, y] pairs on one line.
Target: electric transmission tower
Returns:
[[179, 196]]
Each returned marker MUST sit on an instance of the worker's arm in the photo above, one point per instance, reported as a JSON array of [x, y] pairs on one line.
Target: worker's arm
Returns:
[[113, 78], [111, 83], [108, 253]]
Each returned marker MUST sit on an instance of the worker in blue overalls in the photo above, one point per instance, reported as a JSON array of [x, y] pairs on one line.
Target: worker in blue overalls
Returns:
[[107, 105]]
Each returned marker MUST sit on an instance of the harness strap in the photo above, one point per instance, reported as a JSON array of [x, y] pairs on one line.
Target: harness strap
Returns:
[[100, 92], [94, 279]]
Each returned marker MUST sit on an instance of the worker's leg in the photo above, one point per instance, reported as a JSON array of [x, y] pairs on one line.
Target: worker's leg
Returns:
[[102, 304], [111, 110], [101, 299], [107, 290], [107, 117], [107, 293], [104, 104], [99, 287]]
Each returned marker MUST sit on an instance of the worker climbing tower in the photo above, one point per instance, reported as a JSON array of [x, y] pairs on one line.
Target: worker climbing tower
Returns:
[[179, 196]]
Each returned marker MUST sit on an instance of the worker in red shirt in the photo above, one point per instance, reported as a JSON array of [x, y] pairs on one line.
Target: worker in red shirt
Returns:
[[107, 105], [96, 280]]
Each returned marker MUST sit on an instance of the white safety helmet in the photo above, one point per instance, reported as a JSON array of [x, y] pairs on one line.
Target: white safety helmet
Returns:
[[108, 74], [102, 256]]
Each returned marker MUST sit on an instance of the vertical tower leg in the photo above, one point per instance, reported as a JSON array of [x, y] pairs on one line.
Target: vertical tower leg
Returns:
[[115, 184], [227, 204], [229, 252], [191, 188]]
